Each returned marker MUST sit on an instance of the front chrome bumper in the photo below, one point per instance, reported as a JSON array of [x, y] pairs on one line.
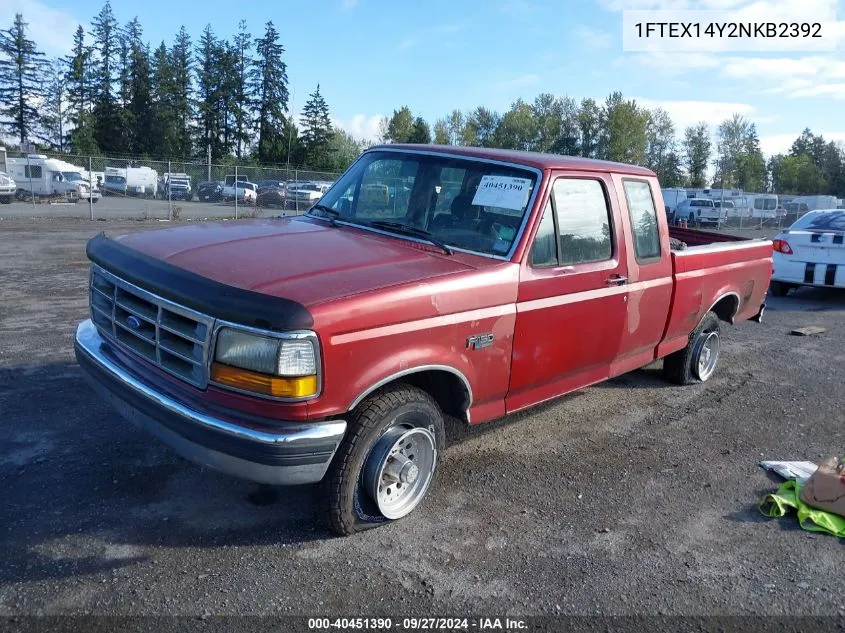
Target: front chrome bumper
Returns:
[[299, 453]]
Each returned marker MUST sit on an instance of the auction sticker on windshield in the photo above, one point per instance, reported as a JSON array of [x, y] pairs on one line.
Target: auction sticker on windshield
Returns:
[[505, 192]]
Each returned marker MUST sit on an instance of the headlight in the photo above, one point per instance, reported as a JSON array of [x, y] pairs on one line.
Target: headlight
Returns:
[[282, 367]]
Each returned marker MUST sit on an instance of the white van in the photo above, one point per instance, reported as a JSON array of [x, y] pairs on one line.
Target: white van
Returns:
[[131, 181], [39, 175]]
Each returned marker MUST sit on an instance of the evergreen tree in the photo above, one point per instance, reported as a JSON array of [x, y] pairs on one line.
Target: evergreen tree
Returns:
[[165, 126], [269, 85], [316, 128], [180, 62], [697, 148], [54, 111], [399, 127], [140, 93], [108, 132], [208, 56], [421, 133], [242, 104], [79, 95], [22, 68]]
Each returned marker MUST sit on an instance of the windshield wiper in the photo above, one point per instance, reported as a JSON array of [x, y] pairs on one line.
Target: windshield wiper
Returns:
[[413, 231], [333, 215]]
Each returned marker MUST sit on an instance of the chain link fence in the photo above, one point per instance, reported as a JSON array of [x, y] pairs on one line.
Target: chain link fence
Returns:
[[134, 188]]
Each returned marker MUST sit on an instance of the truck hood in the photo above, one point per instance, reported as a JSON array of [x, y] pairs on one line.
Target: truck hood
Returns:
[[295, 258]]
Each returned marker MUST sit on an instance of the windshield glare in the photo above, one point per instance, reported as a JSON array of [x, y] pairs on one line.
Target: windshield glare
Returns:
[[465, 203]]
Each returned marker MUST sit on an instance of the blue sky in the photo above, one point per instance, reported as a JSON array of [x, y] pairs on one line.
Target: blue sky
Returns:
[[371, 56]]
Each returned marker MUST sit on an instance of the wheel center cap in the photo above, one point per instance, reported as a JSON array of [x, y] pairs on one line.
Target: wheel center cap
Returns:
[[409, 473]]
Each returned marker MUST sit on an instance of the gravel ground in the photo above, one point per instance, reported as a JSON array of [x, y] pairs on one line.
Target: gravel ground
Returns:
[[633, 497]]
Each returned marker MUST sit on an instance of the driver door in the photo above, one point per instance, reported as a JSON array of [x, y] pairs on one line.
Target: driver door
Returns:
[[572, 299]]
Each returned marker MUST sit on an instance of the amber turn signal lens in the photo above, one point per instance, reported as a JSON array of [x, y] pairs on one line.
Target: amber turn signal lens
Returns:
[[276, 386]]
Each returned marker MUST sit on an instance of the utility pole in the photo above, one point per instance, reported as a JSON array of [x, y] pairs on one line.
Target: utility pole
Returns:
[[290, 126], [90, 190], [209, 161]]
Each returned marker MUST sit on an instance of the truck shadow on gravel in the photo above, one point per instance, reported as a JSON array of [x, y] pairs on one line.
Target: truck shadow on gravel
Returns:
[[86, 493]]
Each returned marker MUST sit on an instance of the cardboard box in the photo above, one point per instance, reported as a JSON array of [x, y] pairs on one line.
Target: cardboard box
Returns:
[[825, 489]]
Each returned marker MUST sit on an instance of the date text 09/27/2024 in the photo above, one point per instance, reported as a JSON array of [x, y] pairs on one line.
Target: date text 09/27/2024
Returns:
[[418, 624]]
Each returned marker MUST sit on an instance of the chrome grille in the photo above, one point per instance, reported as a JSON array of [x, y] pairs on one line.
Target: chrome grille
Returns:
[[168, 335]]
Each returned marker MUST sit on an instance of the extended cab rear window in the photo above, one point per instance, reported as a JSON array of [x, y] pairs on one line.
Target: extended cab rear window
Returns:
[[643, 219]]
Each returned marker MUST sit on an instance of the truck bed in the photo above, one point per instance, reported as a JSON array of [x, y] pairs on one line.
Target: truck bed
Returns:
[[716, 271]]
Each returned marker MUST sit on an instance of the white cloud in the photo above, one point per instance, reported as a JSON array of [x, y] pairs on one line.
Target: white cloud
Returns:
[[686, 113], [346, 5], [407, 43], [593, 38], [361, 127], [51, 29], [780, 143]]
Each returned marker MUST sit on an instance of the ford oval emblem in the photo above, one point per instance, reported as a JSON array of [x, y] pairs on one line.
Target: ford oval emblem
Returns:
[[133, 322]]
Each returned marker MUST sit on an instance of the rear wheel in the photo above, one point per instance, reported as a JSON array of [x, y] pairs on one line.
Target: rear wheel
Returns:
[[387, 461], [698, 360], [779, 289]]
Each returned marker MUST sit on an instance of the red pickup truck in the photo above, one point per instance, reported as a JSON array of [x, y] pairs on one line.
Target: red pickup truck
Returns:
[[427, 282]]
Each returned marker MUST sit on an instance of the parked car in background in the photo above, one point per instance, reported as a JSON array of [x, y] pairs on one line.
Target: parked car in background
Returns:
[[811, 252], [246, 191], [307, 194], [176, 186], [271, 193], [210, 191], [7, 188], [332, 346], [727, 205], [700, 211]]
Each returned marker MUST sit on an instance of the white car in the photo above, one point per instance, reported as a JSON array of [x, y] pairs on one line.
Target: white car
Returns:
[[700, 211], [7, 188], [246, 191], [811, 252], [307, 194]]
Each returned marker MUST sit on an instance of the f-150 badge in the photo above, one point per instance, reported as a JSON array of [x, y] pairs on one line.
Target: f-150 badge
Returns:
[[479, 341]]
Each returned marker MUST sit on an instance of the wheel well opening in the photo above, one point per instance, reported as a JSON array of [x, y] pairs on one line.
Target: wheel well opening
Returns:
[[726, 308], [447, 389]]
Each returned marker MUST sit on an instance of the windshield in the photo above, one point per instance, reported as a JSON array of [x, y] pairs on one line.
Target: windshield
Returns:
[[71, 175], [465, 203]]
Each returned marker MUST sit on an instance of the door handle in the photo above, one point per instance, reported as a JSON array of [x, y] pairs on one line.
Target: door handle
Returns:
[[616, 280]]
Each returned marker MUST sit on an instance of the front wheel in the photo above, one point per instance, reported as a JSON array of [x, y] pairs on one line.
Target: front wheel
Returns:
[[698, 360], [388, 460]]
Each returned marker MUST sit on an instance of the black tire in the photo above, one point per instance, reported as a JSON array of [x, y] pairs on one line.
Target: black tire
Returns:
[[6, 200], [680, 367], [779, 289], [351, 509]]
